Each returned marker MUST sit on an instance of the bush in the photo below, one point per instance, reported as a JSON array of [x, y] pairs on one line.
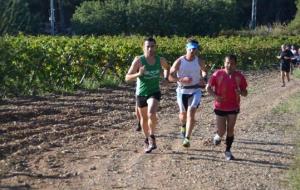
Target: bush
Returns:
[[94, 17], [163, 18], [294, 26], [32, 65]]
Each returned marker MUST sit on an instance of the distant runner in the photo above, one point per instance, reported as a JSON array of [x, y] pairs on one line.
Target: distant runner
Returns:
[[285, 63]]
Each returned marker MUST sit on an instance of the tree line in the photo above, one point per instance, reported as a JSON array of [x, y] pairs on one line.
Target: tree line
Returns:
[[159, 17]]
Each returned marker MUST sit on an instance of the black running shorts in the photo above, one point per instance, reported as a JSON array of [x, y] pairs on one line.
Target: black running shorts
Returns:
[[141, 101], [286, 67], [226, 113]]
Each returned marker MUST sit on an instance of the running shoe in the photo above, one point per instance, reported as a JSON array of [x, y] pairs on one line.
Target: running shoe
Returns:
[[151, 144], [147, 148], [146, 144], [216, 139], [186, 143], [228, 156]]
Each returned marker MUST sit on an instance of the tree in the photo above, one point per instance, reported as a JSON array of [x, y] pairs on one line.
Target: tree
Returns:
[[94, 17], [294, 26], [164, 17], [14, 16]]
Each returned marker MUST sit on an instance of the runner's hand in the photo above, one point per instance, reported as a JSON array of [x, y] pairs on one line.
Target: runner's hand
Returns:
[[238, 91], [186, 80], [202, 83]]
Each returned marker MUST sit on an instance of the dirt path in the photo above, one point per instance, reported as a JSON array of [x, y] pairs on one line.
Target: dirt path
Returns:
[[86, 141]]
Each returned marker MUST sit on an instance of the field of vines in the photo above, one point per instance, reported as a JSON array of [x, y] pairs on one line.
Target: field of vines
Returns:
[[32, 65]]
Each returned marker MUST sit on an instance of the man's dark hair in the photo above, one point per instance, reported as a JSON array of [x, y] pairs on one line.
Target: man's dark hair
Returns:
[[150, 39], [232, 57]]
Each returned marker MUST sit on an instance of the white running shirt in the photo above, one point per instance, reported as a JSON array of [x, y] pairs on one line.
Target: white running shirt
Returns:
[[188, 69]]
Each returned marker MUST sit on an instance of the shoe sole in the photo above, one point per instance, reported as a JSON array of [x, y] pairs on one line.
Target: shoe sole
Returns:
[[216, 143], [150, 149], [186, 145], [228, 159]]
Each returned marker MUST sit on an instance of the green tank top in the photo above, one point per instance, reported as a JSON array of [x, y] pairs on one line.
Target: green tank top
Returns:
[[148, 83]]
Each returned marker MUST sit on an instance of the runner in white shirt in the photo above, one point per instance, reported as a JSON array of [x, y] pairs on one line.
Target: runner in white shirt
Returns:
[[188, 71]]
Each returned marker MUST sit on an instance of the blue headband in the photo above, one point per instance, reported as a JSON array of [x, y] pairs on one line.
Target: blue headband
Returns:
[[192, 45]]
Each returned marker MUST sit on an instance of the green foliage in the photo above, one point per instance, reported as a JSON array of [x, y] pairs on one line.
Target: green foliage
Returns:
[[176, 17], [275, 30], [296, 73], [294, 173], [294, 26], [14, 16], [292, 108], [33, 65], [165, 17], [106, 81], [94, 17]]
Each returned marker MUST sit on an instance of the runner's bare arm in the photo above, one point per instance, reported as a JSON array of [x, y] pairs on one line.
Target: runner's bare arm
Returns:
[[165, 66], [173, 71], [135, 70], [210, 90], [203, 67], [203, 71]]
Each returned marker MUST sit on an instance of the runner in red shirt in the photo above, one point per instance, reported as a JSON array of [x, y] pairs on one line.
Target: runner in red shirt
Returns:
[[227, 85]]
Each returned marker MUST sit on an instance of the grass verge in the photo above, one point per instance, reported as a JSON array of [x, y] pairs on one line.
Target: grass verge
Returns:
[[292, 106]]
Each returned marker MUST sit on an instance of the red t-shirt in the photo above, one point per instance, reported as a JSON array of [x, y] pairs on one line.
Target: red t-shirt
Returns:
[[225, 86]]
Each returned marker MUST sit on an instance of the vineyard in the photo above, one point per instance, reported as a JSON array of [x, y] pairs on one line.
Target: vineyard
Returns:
[[32, 65]]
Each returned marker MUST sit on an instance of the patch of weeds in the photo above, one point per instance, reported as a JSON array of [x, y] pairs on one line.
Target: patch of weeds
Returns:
[[281, 108], [292, 107], [294, 172], [252, 90], [296, 73], [106, 81], [110, 81]]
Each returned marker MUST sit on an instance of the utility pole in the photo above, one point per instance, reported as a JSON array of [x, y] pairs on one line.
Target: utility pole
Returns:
[[253, 15], [52, 17]]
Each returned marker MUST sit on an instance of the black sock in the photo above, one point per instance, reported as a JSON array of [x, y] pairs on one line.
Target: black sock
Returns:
[[152, 136], [229, 141], [146, 141]]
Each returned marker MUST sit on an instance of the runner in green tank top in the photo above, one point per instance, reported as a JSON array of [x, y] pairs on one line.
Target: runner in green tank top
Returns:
[[146, 69]]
